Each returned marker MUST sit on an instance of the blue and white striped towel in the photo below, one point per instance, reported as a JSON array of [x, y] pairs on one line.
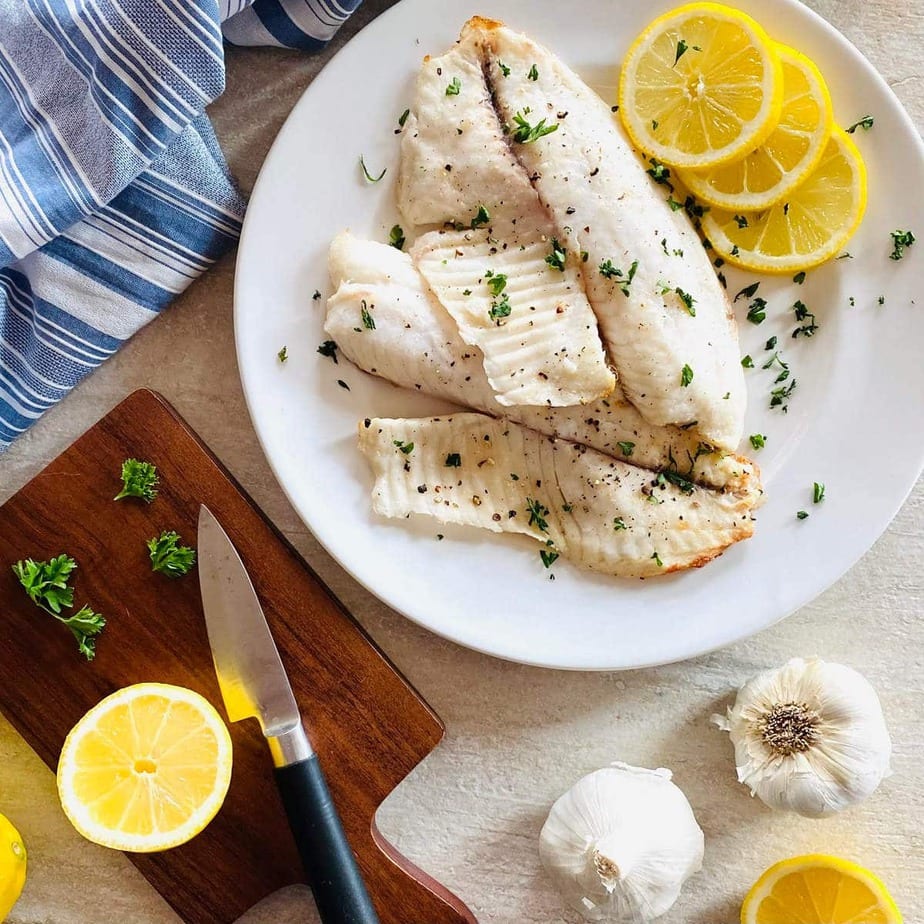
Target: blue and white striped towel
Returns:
[[114, 194]]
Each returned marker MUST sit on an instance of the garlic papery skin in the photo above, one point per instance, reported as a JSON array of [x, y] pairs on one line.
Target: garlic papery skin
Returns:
[[621, 843], [809, 737]]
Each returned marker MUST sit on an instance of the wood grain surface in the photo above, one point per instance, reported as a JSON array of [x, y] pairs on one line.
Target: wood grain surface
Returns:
[[369, 727]]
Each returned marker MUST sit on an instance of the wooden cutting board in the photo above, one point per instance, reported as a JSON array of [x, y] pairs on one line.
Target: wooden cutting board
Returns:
[[368, 725]]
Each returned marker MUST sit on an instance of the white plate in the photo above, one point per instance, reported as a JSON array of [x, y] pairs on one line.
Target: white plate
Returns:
[[856, 419]]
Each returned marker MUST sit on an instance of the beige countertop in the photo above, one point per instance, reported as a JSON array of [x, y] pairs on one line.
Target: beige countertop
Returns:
[[516, 736]]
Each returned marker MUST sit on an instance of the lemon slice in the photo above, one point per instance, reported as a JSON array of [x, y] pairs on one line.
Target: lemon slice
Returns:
[[701, 85], [13, 862], [820, 890], [808, 227], [145, 769], [786, 158]]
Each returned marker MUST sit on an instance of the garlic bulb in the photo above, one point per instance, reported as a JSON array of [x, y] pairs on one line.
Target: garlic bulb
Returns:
[[809, 737], [620, 844]]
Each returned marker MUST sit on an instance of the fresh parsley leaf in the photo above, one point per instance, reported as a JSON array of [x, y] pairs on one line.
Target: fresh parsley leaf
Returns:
[[526, 133], [781, 394], [453, 460], [500, 308], [504, 69], [369, 177], [139, 479], [758, 440], [496, 282], [654, 125], [687, 300], [802, 313], [799, 278], [771, 343], [618, 524], [403, 118], [682, 47], [748, 291], [85, 625], [657, 560], [818, 493], [747, 362], [866, 123], [537, 514], [679, 481], [802, 514], [548, 556], [168, 556], [329, 348], [482, 217], [396, 237], [608, 271], [625, 447], [693, 208], [533, 73], [741, 221], [900, 240], [556, 259], [283, 354], [455, 85], [368, 320], [406, 448], [756, 311], [686, 375], [661, 175], [674, 204], [317, 295]]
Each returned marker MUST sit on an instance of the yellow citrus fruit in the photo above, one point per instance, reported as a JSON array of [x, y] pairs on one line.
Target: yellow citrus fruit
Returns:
[[819, 890], [13, 863], [808, 227], [769, 173], [145, 769], [701, 85]]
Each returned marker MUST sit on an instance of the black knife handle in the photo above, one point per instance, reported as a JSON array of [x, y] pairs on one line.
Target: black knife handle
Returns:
[[329, 863]]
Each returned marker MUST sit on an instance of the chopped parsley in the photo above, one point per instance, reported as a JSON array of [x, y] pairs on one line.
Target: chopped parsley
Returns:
[[329, 348], [660, 174], [504, 69], [802, 314], [537, 514], [343, 384], [168, 556], [139, 479], [781, 394], [496, 282], [283, 354], [687, 300], [654, 125], [674, 204], [455, 85], [799, 278], [625, 447], [818, 493], [406, 448], [533, 73], [369, 177], [693, 209], [866, 123], [900, 240], [741, 221], [747, 362], [453, 460], [748, 291], [396, 237], [618, 524], [686, 375], [403, 118], [771, 343], [802, 514], [657, 559], [500, 308], [757, 311], [556, 259], [758, 440], [608, 271], [548, 556], [844, 256], [317, 295], [524, 133], [482, 217], [675, 478], [368, 320]]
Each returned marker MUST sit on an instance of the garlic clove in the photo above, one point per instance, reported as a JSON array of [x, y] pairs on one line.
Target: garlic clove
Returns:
[[809, 737], [621, 843]]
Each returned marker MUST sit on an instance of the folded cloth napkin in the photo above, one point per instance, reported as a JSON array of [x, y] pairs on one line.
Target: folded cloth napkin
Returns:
[[114, 194]]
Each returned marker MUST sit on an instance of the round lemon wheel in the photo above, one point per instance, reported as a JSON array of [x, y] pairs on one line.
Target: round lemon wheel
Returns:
[[808, 227], [769, 173], [146, 769], [13, 862], [701, 85], [820, 889]]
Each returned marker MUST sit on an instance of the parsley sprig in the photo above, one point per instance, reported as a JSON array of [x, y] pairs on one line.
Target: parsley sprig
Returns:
[[900, 240], [168, 556], [524, 133], [139, 479]]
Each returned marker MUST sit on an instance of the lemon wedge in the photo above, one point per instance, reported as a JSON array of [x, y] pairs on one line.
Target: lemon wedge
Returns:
[[819, 890], [808, 227], [769, 173], [146, 769], [13, 863], [701, 85]]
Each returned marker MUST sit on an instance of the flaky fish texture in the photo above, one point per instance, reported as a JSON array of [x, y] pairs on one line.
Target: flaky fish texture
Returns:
[[416, 345], [599, 512], [491, 267], [665, 320]]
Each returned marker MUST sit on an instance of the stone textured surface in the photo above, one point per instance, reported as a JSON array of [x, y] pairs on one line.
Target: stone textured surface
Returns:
[[517, 737]]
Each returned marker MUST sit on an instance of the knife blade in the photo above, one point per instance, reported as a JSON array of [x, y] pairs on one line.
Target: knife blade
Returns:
[[254, 684]]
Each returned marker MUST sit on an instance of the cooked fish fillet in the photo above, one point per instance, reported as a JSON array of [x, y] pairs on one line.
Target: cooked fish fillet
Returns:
[[590, 179], [416, 345], [599, 512], [532, 322]]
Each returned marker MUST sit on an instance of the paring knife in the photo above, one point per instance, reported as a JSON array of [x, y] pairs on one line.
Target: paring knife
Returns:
[[254, 685]]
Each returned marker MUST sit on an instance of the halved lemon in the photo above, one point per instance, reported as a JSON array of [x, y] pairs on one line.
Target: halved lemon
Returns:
[[701, 85], [13, 863], [819, 889], [145, 769], [806, 228], [767, 174]]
